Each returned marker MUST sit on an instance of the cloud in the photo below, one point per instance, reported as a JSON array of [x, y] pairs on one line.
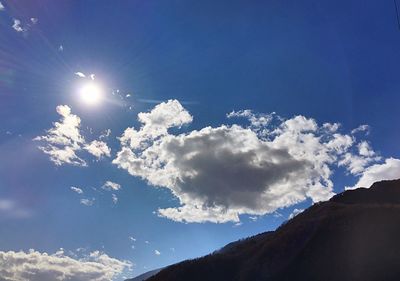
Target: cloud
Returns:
[[80, 74], [10, 209], [111, 186], [219, 173], [98, 149], [114, 198], [76, 189], [361, 128], [389, 170], [2, 8], [36, 266], [105, 134], [156, 252], [356, 163], [87, 202], [34, 20], [295, 213], [64, 140], [17, 26]]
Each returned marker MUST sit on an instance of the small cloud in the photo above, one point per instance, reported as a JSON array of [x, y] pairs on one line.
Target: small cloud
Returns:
[[109, 185], [61, 48], [92, 76], [76, 189], [237, 224], [128, 95], [80, 74], [98, 149], [156, 252], [147, 242], [105, 134], [1, 7], [17, 26], [34, 20], [114, 198], [361, 128], [132, 238], [87, 202], [254, 218], [295, 213]]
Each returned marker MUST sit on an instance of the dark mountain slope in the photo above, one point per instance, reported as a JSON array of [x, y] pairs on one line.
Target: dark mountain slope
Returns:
[[354, 236]]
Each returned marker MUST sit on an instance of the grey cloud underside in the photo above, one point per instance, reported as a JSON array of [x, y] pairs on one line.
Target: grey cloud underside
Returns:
[[219, 176]]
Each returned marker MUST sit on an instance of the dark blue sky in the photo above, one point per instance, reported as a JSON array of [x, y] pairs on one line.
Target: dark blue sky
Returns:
[[331, 61]]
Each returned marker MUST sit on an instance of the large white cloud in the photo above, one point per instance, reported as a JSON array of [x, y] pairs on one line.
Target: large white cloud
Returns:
[[64, 140], [36, 266], [222, 172], [389, 170]]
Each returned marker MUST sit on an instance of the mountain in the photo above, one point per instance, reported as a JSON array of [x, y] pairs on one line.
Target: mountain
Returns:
[[355, 236], [145, 276]]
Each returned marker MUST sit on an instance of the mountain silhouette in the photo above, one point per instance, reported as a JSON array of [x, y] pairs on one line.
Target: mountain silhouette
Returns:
[[355, 236]]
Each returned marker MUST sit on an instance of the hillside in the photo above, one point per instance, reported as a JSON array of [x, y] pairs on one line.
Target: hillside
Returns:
[[353, 236]]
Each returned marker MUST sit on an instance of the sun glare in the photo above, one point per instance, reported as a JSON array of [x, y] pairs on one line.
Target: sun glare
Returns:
[[91, 93]]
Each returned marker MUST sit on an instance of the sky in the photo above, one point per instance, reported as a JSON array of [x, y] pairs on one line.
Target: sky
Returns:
[[136, 134]]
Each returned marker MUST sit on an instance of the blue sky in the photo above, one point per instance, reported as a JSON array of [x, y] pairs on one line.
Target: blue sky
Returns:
[[185, 65]]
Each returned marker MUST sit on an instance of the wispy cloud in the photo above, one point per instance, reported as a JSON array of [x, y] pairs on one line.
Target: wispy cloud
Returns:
[[76, 189], [10, 209], [17, 26], [2, 8], [80, 74], [157, 253], [111, 186], [295, 213], [65, 140], [155, 101], [87, 201], [361, 128], [114, 198]]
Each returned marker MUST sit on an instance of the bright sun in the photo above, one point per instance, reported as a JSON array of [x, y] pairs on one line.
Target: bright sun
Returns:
[[91, 93]]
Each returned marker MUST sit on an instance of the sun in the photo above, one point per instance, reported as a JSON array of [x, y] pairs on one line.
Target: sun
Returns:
[[91, 93]]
